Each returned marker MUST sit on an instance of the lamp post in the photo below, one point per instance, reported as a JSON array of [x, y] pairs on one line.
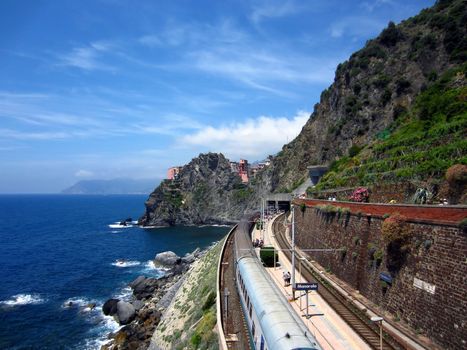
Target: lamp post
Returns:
[[293, 251], [379, 320]]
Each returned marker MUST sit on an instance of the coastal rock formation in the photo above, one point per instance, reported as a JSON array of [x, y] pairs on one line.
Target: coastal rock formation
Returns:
[[166, 259], [151, 297], [110, 307], [144, 287], [206, 191], [137, 304], [125, 312]]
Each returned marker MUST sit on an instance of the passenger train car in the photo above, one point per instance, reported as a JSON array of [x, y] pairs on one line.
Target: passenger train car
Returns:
[[272, 322]]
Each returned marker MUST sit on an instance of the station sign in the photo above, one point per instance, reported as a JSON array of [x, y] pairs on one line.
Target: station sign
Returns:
[[306, 286], [383, 276]]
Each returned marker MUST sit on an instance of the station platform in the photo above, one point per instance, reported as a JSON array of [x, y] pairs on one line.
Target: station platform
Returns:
[[330, 331]]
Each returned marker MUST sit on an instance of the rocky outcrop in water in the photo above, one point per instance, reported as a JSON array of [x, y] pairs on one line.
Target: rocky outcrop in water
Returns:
[[125, 312], [166, 259]]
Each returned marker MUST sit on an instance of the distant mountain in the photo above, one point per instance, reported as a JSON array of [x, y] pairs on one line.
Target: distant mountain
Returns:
[[114, 186]]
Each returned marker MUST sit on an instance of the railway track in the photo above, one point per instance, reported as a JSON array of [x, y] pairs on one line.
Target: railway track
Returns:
[[367, 330], [233, 321]]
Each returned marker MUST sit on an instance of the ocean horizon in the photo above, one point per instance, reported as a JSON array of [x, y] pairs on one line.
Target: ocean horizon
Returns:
[[59, 248]]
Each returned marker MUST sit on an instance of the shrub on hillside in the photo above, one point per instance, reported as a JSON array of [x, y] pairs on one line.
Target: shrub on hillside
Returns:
[[354, 150], [456, 177], [391, 35], [457, 174], [394, 228]]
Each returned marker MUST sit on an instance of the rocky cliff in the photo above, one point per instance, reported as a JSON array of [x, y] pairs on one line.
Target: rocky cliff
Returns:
[[206, 191], [372, 89]]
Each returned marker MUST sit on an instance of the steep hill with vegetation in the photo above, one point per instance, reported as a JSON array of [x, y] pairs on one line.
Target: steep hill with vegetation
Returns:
[[375, 96], [419, 145]]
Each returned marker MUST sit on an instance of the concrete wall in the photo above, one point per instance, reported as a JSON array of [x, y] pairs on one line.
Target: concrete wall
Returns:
[[435, 259]]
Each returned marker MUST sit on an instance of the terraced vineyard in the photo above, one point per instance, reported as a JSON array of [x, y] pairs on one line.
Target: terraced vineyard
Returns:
[[421, 144]]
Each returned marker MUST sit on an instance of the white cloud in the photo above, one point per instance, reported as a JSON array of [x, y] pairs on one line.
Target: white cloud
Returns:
[[87, 57], [27, 135], [360, 27], [39, 117], [371, 5], [150, 40], [264, 70], [270, 9], [84, 173], [227, 51], [254, 138], [194, 35]]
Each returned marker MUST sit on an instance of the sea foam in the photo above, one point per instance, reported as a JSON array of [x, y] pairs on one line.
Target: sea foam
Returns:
[[125, 263], [125, 294], [117, 225], [98, 336], [23, 299], [76, 302]]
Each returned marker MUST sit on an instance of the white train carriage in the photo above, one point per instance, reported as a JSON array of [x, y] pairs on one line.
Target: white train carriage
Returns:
[[272, 322]]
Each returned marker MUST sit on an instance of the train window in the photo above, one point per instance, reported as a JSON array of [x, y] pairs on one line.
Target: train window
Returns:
[[251, 309], [261, 347], [253, 329]]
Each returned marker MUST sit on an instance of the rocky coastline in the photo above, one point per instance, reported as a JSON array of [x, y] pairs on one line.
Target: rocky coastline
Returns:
[[151, 297]]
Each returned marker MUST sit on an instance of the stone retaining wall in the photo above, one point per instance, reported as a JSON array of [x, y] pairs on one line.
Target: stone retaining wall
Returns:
[[428, 289]]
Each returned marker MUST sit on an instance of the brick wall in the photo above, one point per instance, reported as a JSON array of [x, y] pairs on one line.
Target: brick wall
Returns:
[[436, 256]]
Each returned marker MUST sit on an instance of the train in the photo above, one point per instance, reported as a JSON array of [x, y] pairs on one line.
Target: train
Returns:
[[272, 323]]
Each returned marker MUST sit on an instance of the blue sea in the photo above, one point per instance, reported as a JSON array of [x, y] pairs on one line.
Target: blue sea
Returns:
[[60, 248]]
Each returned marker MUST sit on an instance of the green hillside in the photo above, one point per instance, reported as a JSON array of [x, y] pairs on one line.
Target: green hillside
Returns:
[[420, 145]]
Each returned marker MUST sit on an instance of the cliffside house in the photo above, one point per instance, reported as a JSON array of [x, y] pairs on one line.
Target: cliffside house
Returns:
[[243, 170], [172, 173]]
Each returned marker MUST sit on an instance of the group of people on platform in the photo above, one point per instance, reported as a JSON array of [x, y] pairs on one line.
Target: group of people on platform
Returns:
[[258, 243]]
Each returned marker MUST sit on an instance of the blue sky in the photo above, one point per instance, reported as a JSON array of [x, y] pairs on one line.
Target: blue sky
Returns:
[[111, 88]]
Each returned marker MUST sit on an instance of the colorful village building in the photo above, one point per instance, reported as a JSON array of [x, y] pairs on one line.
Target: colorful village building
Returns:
[[172, 173]]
